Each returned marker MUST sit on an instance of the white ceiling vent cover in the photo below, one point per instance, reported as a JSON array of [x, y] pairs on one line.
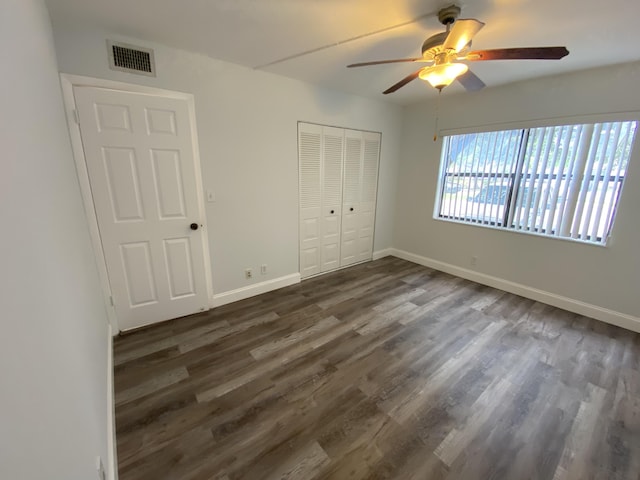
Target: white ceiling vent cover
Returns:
[[130, 58]]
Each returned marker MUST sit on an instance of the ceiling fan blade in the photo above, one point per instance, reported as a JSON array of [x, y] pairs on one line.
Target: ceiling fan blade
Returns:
[[403, 82], [381, 62], [532, 53], [470, 81], [461, 34]]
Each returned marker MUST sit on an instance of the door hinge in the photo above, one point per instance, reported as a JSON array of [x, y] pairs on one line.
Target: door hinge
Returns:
[[75, 117], [111, 300]]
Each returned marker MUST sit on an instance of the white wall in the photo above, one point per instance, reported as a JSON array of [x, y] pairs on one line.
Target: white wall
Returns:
[[607, 277], [53, 360], [247, 128]]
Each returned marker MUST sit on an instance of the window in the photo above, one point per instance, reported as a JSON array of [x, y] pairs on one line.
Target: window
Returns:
[[562, 181]]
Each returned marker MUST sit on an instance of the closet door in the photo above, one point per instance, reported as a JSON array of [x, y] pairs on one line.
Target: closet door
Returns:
[[368, 192], [310, 169], [330, 225], [351, 196], [338, 186]]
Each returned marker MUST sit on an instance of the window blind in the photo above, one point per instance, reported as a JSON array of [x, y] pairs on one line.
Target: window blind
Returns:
[[562, 181]]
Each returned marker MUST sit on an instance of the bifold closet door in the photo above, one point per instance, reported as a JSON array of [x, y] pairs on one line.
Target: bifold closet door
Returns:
[[321, 159], [330, 224], [338, 185], [310, 190], [360, 184], [368, 193], [351, 196]]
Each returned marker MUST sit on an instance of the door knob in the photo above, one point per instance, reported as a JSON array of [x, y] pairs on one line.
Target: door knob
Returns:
[[332, 211], [351, 209], [194, 226]]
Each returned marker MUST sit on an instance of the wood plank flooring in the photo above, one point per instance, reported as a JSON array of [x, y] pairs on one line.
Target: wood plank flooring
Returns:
[[386, 370]]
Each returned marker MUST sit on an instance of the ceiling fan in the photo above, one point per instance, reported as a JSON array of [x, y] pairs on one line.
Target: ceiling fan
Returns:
[[444, 50]]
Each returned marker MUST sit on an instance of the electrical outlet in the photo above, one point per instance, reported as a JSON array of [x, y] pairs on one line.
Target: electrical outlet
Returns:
[[248, 273], [474, 261], [263, 269]]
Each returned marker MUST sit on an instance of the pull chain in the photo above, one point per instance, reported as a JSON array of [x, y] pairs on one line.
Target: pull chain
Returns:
[[435, 133]]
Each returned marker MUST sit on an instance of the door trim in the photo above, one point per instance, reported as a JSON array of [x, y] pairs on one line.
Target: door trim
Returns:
[[69, 81]]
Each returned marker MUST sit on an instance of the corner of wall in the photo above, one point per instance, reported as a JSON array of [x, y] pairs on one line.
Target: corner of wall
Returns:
[[612, 317]]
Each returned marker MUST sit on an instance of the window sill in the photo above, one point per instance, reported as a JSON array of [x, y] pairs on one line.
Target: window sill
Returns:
[[524, 232]]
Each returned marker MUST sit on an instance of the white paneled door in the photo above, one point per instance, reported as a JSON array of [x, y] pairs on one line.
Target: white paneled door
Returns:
[[142, 170]]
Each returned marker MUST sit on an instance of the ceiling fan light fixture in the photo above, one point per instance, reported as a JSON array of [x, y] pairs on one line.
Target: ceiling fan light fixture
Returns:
[[445, 48], [440, 76]]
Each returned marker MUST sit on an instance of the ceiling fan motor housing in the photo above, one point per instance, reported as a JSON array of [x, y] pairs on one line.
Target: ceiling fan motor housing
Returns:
[[432, 46]]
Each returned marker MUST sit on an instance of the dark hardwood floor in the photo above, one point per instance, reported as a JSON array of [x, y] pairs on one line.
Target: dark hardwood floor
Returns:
[[386, 370]]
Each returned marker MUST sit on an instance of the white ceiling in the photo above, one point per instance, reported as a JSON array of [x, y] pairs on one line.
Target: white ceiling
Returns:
[[257, 32]]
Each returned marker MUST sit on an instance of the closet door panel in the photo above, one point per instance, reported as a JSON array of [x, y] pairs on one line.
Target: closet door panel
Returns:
[[370, 157], [332, 163], [310, 163], [368, 194], [365, 232], [351, 196], [349, 247], [352, 168], [330, 255]]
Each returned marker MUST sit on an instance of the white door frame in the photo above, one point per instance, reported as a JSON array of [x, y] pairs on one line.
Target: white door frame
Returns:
[[69, 81]]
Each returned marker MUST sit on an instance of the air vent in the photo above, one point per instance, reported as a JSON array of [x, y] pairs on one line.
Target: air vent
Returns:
[[129, 58]]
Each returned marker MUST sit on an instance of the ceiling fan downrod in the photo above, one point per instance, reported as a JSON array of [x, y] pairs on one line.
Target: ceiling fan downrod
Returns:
[[448, 15]]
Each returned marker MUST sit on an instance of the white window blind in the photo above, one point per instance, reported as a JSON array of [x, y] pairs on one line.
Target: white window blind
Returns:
[[562, 181]]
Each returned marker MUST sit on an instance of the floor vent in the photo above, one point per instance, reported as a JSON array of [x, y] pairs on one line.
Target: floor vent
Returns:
[[132, 59]]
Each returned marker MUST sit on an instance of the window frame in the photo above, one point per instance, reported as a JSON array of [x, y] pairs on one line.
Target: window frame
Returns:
[[525, 127]]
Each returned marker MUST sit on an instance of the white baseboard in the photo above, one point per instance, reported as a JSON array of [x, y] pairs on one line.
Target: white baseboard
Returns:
[[112, 459], [385, 252], [255, 289], [576, 306]]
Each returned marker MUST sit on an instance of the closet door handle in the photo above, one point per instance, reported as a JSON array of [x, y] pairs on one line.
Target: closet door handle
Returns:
[[351, 209], [332, 212]]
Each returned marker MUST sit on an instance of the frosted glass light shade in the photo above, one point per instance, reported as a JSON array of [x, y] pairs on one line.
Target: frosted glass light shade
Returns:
[[440, 76]]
